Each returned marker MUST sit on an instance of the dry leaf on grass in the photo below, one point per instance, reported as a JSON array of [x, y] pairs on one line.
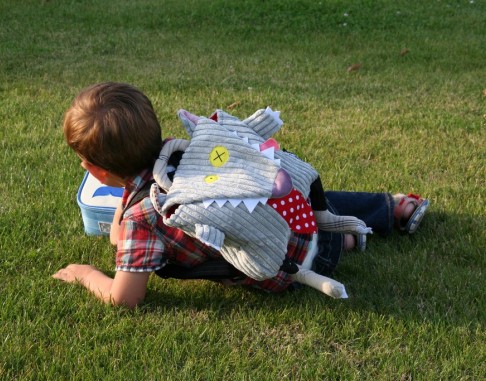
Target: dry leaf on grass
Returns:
[[354, 67], [233, 105], [404, 52]]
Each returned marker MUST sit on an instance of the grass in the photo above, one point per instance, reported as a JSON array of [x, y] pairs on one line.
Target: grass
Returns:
[[413, 122]]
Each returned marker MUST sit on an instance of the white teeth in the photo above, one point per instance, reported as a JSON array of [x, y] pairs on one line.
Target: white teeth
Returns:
[[275, 115], [234, 202], [250, 203], [262, 200], [269, 153], [220, 202], [206, 203]]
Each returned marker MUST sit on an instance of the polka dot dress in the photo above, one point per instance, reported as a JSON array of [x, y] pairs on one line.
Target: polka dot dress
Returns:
[[296, 211]]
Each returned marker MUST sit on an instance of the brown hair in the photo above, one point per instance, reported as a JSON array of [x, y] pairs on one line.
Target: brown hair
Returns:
[[113, 126]]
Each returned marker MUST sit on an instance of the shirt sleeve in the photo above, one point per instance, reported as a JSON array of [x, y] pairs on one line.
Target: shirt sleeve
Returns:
[[138, 248]]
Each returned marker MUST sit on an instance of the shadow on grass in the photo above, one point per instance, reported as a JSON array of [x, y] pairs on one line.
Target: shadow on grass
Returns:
[[435, 275]]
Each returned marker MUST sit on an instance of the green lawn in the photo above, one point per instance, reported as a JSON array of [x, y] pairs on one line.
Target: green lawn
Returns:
[[401, 122]]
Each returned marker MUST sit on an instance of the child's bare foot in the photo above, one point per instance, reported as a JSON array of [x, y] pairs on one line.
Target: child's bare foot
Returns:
[[352, 241], [409, 211], [349, 242]]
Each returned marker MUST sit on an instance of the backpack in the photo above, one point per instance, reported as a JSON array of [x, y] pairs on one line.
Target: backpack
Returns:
[[214, 269]]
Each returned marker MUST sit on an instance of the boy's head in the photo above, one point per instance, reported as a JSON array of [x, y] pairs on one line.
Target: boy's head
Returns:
[[114, 127]]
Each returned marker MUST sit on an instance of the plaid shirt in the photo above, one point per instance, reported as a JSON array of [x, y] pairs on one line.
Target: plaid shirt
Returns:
[[146, 244]]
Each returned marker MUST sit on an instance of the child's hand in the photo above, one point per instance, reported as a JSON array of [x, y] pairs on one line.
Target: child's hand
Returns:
[[74, 273]]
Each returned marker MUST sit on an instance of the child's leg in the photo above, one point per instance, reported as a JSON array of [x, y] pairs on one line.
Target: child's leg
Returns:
[[331, 245], [375, 209], [329, 249], [327, 219], [380, 211]]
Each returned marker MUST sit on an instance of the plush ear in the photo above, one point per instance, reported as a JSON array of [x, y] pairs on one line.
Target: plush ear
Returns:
[[265, 123], [189, 121]]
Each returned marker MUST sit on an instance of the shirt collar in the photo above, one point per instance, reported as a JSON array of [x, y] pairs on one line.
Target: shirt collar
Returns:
[[134, 184]]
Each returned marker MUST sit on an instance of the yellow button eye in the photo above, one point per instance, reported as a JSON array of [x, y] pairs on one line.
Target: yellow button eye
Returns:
[[211, 178], [219, 156]]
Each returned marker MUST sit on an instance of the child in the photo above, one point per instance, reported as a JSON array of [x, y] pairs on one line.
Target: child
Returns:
[[115, 132]]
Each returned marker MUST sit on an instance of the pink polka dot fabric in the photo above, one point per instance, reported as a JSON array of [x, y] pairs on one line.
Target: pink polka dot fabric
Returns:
[[296, 211]]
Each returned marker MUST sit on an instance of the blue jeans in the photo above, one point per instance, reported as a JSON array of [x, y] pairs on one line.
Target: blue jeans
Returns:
[[375, 209]]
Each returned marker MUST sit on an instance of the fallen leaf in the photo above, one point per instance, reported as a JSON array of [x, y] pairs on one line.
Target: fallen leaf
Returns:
[[484, 92], [354, 67], [404, 52], [233, 105]]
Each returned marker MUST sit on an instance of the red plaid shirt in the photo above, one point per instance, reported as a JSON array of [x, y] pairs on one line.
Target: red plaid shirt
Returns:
[[146, 244]]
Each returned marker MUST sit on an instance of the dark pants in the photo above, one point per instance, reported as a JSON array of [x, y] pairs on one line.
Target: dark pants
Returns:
[[375, 209]]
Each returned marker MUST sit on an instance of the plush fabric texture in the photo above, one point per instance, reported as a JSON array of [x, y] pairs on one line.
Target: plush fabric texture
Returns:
[[220, 190], [245, 174]]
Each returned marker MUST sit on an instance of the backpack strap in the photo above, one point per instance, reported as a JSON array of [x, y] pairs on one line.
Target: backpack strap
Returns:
[[213, 269], [143, 192], [139, 196]]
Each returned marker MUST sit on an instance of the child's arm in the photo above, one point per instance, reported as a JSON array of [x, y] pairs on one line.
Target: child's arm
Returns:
[[127, 288]]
